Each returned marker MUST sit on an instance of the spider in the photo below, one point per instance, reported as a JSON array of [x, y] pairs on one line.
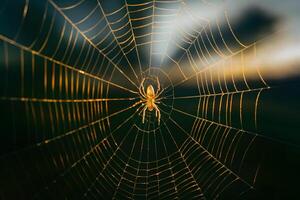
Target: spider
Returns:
[[150, 99]]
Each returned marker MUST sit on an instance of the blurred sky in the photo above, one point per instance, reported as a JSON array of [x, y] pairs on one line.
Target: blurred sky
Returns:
[[274, 23], [282, 52]]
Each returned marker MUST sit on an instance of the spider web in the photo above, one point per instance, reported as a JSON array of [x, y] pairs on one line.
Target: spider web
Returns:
[[70, 73]]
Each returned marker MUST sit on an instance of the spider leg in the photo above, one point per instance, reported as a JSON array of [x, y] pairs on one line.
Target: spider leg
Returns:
[[139, 109], [158, 86], [142, 89], [157, 111], [136, 103], [160, 92], [142, 94], [144, 113]]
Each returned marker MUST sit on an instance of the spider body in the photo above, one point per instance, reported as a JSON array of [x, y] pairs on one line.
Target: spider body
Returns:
[[149, 99]]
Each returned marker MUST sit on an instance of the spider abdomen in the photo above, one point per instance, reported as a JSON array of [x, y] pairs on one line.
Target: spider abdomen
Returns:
[[150, 103]]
